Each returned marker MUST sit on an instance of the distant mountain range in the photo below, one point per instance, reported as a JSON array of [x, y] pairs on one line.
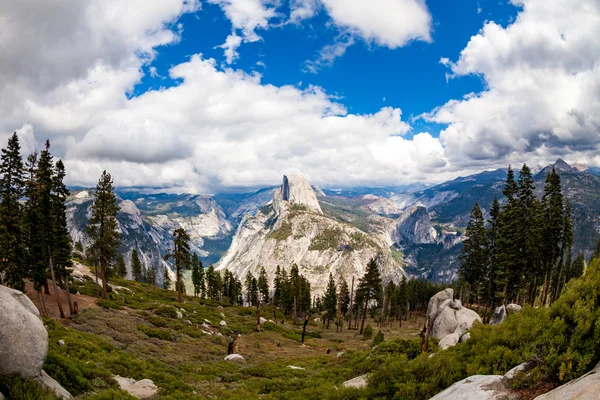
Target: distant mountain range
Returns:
[[414, 229]]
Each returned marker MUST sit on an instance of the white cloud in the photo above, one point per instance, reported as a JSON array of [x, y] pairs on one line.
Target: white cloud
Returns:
[[230, 46], [303, 9], [542, 97], [330, 53], [391, 23]]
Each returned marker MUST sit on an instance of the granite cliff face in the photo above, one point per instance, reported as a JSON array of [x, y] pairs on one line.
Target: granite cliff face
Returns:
[[292, 229]]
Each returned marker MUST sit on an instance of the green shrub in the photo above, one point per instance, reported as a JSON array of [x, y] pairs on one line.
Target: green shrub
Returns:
[[377, 339], [157, 333], [368, 332], [110, 304], [24, 389], [111, 394], [166, 311]]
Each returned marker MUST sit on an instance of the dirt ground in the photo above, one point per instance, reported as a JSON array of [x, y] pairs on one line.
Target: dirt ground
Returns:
[[83, 301]]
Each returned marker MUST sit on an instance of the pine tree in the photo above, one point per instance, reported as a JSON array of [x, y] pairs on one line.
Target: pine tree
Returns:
[[34, 240], [12, 188], [553, 229], [563, 274], [474, 252], [507, 250], [343, 297], [197, 275], [577, 268], [151, 275], [45, 185], [166, 278], [251, 289], [330, 300], [103, 228], [277, 287], [369, 287], [136, 266], [121, 268], [493, 275], [62, 239], [528, 236], [263, 285], [402, 299], [181, 255]]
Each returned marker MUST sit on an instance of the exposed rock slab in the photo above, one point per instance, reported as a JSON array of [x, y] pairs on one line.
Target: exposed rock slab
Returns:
[[586, 387], [23, 337], [358, 383], [51, 384], [237, 358], [141, 389], [477, 387]]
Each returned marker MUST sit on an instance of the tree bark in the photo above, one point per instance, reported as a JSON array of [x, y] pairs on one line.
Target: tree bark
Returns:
[[424, 338], [350, 309], [364, 317], [42, 304], [304, 327], [258, 316], [178, 285], [103, 277], [56, 292], [69, 300]]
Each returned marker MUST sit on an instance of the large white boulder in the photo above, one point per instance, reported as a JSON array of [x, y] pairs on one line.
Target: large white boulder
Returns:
[[586, 387], [23, 337], [465, 318], [449, 341], [477, 387], [434, 305], [235, 358], [141, 389], [445, 323], [513, 308]]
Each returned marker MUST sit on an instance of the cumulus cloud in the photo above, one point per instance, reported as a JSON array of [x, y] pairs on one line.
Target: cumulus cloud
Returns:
[[542, 94]]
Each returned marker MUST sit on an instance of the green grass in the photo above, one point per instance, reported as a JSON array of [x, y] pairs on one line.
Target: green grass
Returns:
[[329, 238]]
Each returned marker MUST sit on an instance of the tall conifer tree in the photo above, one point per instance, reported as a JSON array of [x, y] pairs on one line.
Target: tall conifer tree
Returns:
[[103, 228], [181, 255], [369, 288]]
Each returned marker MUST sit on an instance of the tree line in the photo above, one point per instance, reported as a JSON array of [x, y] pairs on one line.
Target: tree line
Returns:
[[522, 253]]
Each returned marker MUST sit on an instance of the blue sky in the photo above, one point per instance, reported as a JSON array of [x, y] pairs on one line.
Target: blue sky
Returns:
[[221, 95], [366, 78]]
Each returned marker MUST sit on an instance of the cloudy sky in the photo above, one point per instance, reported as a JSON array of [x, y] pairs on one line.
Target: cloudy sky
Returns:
[[213, 95]]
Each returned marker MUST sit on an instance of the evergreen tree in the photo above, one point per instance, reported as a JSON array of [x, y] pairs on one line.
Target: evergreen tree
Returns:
[[251, 289], [214, 284], [563, 274], [596, 253], [263, 285], [553, 221], [577, 268], [507, 250], [62, 239], [166, 278], [330, 300], [343, 297], [493, 274], [304, 296], [181, 255], [402, 299], [103, 228], [151, 275], [277, 288], [136, 266], [12, 188], [197, 275], [474, 252], [369, 287], [121, 268], [528, 237]]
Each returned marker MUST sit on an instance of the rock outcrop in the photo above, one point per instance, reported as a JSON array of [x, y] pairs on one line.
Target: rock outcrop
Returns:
[[448, 320], [142, 389], [358, 383], [23, 337], [51, 384], [295, 231], [501, 312], [586, 387], [236, 358]]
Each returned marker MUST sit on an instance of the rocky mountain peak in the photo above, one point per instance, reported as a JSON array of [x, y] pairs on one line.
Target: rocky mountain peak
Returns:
[[295, 189]]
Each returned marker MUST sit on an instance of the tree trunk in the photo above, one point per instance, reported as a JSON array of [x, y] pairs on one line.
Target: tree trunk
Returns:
[[178, 285], [56, 292], [103, 277], [304, 327], [295, 315], [424, 338], [46, 290], [232, 346], [69, 300], [258, 316], [350, 309], [364, 317], [42, 304]]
